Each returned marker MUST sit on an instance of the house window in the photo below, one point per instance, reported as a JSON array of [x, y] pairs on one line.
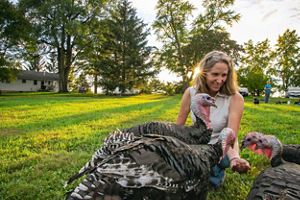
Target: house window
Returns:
[[49, 82], [23, 80], [35, 82]]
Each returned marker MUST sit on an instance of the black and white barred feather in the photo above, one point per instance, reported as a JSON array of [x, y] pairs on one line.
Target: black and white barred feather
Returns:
[[153, 167], [198, 133], [112, 142]]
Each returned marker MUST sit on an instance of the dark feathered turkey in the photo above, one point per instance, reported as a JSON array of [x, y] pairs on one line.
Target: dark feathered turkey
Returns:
[[291, 153], [281, 180], [199, 133], [155, 167]]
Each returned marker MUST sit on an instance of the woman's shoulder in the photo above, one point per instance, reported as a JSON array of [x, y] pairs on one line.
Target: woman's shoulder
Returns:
[[236, 98], [191, 88], [190, 91]]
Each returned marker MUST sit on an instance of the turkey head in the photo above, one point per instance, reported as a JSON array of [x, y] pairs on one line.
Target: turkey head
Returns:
[[267, 145], [200, 106]]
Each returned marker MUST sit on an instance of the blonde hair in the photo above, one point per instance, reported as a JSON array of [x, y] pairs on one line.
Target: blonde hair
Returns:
[[230, 86]]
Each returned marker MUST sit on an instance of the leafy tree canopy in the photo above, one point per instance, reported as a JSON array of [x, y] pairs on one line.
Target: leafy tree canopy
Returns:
[[287, 62], [183, 46], [254, 64], [126, 62]]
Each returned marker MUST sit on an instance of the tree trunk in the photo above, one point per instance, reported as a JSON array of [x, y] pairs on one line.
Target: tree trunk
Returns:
[[65, 80], [60, 61], [95, 83], [64, 58], [63, 71], [68, 61]]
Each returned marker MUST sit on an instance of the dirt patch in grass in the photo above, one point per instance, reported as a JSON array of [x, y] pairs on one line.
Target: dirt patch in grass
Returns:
[[9, 131]]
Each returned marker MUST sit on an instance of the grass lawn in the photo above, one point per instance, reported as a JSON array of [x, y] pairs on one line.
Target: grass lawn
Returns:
[[45, 138]]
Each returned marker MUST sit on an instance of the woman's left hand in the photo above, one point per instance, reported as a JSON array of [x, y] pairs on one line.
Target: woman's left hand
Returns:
[[240, 165]]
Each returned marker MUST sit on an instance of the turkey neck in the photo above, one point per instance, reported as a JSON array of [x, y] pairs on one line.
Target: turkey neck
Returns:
[[276, 157], [205, 113], [276, 161]]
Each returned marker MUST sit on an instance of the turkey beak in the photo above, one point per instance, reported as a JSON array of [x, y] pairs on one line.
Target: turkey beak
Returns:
[[259, 146], [244, 144]]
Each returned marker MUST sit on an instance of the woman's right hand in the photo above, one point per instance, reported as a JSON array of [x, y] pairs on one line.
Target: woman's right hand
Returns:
[[240, 165]]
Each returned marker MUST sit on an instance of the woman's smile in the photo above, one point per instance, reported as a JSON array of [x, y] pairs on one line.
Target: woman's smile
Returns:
[[217, 76]]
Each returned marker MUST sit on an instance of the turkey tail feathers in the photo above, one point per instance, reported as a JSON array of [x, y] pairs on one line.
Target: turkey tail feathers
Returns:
[[112, 142]]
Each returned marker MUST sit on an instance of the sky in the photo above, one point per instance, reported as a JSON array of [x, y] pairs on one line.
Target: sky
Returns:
[[260, 19]]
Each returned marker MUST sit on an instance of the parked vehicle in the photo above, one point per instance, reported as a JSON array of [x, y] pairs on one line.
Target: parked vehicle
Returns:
[[292, 92], [244, 91]]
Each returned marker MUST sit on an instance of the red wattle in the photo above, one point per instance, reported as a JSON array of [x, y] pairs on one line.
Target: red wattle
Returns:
[[268, 153]]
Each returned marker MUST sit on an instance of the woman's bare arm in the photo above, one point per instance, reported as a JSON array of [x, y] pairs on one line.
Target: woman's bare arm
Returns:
[[236, 110], [185, 108]]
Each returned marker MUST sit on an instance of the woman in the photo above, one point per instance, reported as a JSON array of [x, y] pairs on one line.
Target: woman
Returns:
[[217, 77]]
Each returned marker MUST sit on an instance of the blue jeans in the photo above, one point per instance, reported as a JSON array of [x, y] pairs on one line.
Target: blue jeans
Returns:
[[267, 95], [218, 172]]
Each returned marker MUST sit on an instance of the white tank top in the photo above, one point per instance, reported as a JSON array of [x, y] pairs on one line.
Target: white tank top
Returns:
[[218, 116]]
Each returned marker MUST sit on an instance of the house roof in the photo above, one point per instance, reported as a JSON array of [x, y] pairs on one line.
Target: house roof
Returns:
[[39, 76]]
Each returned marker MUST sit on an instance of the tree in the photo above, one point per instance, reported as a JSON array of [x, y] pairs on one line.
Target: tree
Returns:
[[209, 40], [209, 31], [64, 26], [171, 27], [13, 26], [7, 73], [34, 56], [98, 52], [217, 15], [13, 29], [81, 84], [287, 54], [183, 48], [254, 66], [127, 63], [152, 85]]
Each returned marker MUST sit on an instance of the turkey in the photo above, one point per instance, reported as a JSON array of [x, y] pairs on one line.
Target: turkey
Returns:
[[290, 152], [199, 133], [155, 167], [279, 181]]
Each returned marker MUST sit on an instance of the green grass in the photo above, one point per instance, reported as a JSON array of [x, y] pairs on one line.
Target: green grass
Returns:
[[45, 137]]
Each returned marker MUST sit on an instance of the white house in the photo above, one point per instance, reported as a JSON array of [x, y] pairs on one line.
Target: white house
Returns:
[[32, 81]]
